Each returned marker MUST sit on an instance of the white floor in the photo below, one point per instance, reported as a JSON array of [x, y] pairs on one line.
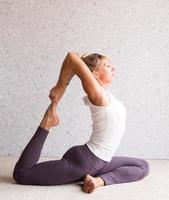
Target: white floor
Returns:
[[155, 186]]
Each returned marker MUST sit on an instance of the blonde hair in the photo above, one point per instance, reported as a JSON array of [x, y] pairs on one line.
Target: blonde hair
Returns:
[[93, 60]]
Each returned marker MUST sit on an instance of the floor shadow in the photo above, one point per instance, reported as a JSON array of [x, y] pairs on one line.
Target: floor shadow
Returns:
[[6, 179]]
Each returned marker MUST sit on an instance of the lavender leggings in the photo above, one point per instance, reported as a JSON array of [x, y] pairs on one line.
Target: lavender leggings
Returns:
[[74, 165]]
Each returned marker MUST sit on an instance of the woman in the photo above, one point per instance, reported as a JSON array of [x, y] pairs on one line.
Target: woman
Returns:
[[92, 162]]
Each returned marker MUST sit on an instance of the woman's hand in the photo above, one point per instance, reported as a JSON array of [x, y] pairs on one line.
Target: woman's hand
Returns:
[[56, 93], [66, 74]]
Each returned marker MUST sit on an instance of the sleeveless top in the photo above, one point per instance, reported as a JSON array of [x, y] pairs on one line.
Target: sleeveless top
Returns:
[[109, 125]]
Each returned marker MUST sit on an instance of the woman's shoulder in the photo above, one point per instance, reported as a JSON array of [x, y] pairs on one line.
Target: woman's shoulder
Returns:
[[102, 101]]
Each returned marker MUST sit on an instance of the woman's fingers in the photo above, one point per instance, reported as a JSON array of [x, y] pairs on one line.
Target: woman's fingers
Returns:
[[54, 100], [53, 92], [81, 55], [54, 97]]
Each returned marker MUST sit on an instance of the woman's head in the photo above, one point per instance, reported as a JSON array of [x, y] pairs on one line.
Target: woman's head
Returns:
[[100, 66]]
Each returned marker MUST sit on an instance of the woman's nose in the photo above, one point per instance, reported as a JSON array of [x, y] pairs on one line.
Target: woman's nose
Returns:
[[112, 69]]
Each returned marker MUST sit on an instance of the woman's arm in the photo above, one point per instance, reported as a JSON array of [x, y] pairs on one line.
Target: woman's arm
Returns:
[[90, 85], [73, 64], [66, 74]]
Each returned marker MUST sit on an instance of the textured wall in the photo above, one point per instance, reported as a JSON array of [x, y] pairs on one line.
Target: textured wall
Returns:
[[35, 37]]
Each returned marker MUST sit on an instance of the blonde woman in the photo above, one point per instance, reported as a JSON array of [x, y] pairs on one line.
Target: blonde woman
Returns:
[[93, 162]]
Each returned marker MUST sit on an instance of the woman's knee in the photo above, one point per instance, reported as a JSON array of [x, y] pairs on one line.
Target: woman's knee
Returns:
[[18, 176], [146, 168]]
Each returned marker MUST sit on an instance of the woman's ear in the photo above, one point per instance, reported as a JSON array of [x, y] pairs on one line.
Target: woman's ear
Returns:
[[95, 73]]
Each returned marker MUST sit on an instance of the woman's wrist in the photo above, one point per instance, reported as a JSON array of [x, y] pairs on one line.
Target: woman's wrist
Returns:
[[61, 84]]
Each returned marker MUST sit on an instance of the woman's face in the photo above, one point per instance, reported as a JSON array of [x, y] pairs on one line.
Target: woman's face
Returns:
[[105, 72]]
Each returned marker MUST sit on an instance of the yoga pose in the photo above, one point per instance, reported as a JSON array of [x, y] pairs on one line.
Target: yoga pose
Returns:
[[93, 162]]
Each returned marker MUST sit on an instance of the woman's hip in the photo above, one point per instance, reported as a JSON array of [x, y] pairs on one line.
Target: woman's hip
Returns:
[[82, 156]]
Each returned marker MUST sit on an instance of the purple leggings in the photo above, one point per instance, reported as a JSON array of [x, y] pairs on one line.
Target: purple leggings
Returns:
[[74, 165]]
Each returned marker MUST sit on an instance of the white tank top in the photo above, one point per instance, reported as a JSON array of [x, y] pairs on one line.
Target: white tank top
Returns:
[[109, 124]]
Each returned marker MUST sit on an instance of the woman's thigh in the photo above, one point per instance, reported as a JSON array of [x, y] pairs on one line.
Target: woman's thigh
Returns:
[[120, 161]]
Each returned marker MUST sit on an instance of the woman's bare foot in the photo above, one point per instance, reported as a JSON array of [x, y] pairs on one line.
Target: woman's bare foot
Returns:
[[50, 117], [91, 183]]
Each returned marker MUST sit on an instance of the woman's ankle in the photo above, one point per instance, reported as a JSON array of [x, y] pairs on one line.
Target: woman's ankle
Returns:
[[44, 126]]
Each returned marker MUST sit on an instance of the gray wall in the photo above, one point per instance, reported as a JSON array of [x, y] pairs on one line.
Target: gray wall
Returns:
[[35, 37]]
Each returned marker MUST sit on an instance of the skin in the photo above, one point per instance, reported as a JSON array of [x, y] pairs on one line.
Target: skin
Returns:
[[51, 119], [104, 74]]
